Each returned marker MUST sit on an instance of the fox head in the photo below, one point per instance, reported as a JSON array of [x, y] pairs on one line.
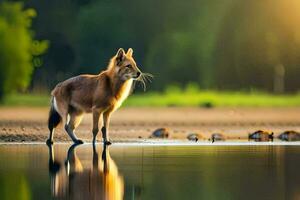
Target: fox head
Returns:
[[124, 66]]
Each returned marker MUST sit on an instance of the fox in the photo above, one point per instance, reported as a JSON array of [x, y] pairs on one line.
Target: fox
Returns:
[[100, 94]]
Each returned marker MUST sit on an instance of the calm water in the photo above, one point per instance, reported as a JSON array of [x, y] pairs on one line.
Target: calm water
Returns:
[[149, 172]]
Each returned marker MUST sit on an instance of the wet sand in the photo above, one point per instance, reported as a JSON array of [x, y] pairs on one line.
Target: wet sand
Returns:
[[136, 124]]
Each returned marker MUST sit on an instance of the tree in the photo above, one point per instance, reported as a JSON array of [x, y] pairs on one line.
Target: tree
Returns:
[[18, 50]]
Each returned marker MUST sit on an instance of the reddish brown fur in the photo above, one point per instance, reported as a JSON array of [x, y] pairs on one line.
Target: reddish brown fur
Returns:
[[100, 94]]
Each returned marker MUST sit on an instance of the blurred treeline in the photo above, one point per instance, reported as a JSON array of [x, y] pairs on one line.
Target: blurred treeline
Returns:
[[217, 44], [19, 51]]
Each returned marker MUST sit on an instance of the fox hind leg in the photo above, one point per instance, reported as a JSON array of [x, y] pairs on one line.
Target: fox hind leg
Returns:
[[75, 119]]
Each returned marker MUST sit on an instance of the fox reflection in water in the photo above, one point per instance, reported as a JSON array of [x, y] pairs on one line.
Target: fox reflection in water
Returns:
[[71, 180]]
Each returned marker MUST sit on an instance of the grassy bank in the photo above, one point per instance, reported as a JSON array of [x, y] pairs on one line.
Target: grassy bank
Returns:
[[27, 100], [218, 99], [180, 98]]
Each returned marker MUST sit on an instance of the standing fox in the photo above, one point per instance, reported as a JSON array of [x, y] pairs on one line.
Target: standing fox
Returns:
[[98, 94]]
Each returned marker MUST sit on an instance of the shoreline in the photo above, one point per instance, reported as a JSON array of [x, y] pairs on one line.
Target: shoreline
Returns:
[[21, 125], [168, 143]]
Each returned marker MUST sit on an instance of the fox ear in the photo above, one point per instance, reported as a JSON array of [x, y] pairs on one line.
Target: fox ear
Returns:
[[130, 52], [120, 56]]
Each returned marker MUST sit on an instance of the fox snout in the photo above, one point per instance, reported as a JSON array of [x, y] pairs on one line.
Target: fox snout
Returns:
[[138, 74]]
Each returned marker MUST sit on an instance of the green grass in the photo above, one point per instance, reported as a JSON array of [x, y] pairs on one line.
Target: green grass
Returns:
[[180, 98], [214, 98], [27, 100]]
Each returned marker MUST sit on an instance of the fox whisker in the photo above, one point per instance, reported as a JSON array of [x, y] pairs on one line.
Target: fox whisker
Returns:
[[148, 74], [144, 83], [144, 78], [148, 77]]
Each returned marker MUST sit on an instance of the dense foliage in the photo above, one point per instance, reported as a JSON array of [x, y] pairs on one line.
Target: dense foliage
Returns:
[[18, 49], [216, 44]]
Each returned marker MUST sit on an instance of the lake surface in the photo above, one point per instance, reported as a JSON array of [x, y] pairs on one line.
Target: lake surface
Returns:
[[123, 171]]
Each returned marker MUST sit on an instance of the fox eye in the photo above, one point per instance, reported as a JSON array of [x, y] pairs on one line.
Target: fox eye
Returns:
[[128, 66]]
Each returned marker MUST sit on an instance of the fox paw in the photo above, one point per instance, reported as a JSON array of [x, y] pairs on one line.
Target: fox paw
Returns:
[[107, 142], [78, 142], [49, 142]]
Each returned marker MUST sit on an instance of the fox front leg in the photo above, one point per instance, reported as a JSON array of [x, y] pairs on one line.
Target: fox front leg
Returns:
[[105, 135], [96, 115]]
